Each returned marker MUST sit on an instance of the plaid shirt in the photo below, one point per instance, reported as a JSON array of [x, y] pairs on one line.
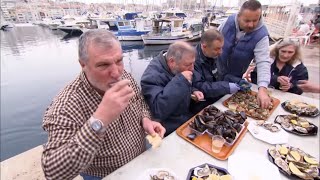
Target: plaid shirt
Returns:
[[73, 146]]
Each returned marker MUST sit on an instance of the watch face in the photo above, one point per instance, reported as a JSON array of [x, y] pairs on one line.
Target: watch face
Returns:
[[96, 126]]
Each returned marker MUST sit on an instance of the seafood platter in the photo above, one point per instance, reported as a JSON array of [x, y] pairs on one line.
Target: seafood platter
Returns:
[[210, 122], [247, 102], [214, 122], [296, 125], [300, 108], [294, 163], [208, 172]]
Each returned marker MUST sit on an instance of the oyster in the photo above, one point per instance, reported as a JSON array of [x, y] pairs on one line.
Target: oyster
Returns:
[[201, 172], [161, 175], [268, 126], [274, 153], [282, 164], [274, 128], [301, 129], [294, 169], [287, 126], [312, 171]]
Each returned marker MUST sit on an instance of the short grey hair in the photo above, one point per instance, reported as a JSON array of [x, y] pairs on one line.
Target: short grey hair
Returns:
[[178, 49], [211, 35], [98, 37]]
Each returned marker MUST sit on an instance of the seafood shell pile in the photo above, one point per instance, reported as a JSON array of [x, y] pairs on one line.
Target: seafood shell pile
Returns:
[[162, 175], [247, 102], [226, 124], [294, 161], [301, 108], [294, 122], [209, 173], [268, 126]]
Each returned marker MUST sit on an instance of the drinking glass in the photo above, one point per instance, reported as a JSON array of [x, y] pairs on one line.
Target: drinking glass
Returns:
[[217, 143]]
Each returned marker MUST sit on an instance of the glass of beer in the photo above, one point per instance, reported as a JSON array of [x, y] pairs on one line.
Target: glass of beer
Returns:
[[217, 143]]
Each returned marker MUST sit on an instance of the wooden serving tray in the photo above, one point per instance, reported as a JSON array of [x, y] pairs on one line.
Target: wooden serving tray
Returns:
[[275, 102], [204, 143]]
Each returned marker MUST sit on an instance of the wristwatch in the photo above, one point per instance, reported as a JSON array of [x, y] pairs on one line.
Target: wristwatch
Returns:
[[97, 125]]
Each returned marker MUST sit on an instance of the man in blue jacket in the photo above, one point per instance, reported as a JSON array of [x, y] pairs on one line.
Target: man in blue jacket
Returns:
[[167, 85], [206, 76], [245, 38]]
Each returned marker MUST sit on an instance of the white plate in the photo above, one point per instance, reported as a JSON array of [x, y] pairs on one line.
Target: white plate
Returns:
[[153, 171], [252, 166], [280, 137]]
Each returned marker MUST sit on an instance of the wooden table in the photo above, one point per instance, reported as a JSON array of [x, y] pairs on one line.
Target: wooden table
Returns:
[[180, 156]]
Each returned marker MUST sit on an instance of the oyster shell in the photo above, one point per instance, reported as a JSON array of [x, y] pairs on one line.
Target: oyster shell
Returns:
[[282, 164], [161, 175], [301, 129], [294, 169], [201, 172], [312, 171], [274, 153]]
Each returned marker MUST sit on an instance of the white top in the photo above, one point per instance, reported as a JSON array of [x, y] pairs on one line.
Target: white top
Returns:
[[180, 156]]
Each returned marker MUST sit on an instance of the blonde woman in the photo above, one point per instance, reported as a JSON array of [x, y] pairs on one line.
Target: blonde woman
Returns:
[[287, 68]]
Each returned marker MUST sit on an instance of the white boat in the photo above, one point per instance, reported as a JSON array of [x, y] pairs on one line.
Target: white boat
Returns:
[[74, 25], [53, 24], [125, 30], [169, 30]]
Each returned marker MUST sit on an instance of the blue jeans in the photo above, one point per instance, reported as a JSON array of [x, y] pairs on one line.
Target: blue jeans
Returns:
[[88, 177]]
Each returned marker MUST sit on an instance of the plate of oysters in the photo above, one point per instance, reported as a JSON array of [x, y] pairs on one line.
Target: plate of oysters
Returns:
[[293, 162], [248, 103], [208, 172], [158, 174], [296, 125], [300, 108]]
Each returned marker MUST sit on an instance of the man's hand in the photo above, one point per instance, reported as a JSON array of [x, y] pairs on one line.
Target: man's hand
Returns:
[[263, 98], [114, 101], [153, 127], [199, 95], [187, 75], [306, 86]]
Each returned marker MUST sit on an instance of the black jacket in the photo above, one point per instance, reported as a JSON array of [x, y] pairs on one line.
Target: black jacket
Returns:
[[297, 72], [167, 95], [206, 79]]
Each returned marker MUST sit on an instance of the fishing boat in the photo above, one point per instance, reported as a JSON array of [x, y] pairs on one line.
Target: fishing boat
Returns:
[[169, 30]]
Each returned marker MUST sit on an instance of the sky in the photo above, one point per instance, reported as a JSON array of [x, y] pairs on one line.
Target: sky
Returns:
[[225, 2]]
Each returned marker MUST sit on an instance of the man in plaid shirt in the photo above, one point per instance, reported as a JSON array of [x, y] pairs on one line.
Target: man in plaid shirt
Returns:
[[99, 121]]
